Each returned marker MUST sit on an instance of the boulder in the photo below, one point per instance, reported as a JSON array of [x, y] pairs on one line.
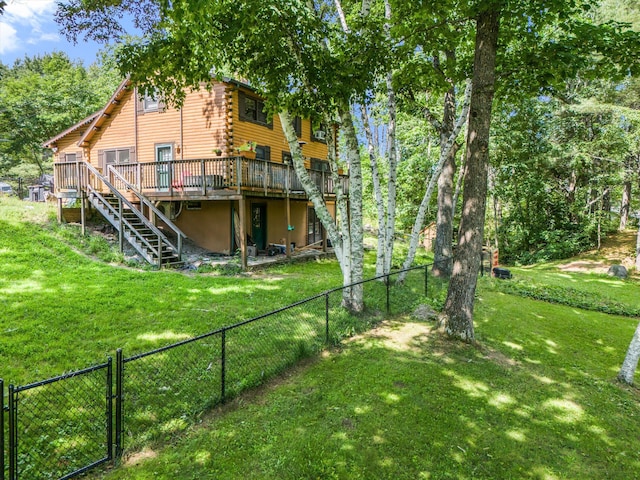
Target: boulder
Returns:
[[425, 313], [617, 271]]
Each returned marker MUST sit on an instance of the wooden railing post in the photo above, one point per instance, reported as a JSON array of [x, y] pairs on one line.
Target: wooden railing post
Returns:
[[203, 172]]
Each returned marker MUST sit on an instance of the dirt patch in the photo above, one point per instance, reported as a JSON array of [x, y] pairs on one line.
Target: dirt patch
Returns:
[[617, 248]]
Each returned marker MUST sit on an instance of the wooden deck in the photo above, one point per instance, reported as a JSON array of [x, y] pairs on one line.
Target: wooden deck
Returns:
[[198, 179]]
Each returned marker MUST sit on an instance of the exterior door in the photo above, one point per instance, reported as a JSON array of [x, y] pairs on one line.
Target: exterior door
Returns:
[[164, 154], [259, 225], [314, 227]]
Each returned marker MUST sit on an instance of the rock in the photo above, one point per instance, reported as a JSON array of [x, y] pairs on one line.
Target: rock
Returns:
[[425, 313], [617, 271]]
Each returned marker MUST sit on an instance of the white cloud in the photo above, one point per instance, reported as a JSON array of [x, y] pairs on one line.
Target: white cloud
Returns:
[[9, 41], [27, 21]]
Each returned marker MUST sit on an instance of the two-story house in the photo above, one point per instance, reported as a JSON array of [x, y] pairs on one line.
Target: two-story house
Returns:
[[216, 170]]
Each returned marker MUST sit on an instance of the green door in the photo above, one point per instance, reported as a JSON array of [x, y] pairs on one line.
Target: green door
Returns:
[[164, 154], [259, 225]]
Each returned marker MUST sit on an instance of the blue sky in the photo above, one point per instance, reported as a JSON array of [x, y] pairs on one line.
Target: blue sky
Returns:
[[28, 28]]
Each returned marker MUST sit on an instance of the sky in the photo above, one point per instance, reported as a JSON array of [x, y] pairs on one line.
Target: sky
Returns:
[[28, 28]]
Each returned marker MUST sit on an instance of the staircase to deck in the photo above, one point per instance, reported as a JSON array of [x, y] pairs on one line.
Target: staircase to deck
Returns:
[[132, 225]]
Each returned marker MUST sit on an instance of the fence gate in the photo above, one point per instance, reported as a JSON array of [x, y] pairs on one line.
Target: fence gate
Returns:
[[61, 427]]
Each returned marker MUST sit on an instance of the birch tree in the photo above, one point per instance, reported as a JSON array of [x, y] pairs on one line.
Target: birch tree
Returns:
[[628, 369]]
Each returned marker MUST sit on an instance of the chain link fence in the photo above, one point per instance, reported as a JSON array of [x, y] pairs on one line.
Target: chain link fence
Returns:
[[62, 427]]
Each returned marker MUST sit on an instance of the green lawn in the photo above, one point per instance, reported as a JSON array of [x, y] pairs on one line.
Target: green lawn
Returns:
[[537, 399], [61, 310]]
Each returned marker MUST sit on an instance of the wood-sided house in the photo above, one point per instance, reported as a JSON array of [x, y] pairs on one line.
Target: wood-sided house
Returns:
[[216, 170]]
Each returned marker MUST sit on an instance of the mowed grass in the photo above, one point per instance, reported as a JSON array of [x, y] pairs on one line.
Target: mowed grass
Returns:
[[536, 399], [61, 310]]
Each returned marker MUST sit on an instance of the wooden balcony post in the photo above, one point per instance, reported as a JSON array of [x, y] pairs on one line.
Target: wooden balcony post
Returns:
[[83, 219], [287, 247], [139, 177], [243, 234], [203, 172]]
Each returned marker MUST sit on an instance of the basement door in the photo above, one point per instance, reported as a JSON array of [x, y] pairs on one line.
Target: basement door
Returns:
[[259, 225], [164, 155]]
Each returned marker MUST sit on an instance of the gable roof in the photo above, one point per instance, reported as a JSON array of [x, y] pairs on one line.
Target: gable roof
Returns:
[[93, 121], [86, 121]]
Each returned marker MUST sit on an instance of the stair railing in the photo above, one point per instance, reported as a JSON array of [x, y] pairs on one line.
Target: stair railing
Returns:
[[145, 201], [122, 201]]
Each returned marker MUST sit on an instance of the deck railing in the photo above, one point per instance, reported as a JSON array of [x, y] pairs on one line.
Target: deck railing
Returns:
[[200, 177]]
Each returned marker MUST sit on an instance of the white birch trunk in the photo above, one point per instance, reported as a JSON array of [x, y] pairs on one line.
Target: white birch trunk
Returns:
[[628, 369], [393, 155], [458, 185], [422, 210], [638, 249], [393, 175], [355, 300], [377, 192]]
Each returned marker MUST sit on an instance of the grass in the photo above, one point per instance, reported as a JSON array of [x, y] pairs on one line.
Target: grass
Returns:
[[536, 399], [81, 310]]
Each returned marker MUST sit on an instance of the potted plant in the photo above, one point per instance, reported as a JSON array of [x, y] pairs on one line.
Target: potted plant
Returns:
[[217, 151], [247, 149]]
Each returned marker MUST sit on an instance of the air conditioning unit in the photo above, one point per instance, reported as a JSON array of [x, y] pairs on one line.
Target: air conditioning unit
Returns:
[[320, 135]]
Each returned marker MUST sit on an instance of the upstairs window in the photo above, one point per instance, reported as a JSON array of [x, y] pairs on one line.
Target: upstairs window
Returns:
[[70, 157], [252, 109], [150, 103]]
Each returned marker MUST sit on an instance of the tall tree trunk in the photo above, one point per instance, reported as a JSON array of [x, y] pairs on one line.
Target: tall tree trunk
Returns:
[[354, 301], [442, 258], [422, 209], [638, 249], [625, 205], [393, 175], [346, 234], [377, 191], [458, 309], [628, 369]]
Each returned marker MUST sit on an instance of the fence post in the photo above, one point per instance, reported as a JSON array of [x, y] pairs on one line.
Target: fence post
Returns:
[[119, 401], [13, 436], [109, 405], [1, 429], [223, 366], [386, 281], [426, 280], [326, 317]]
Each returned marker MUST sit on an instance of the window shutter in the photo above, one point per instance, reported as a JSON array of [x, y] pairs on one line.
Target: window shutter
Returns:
[[241, 105], [79, 156], [101, 160], [132, 155], [161, 104], [297, 125]]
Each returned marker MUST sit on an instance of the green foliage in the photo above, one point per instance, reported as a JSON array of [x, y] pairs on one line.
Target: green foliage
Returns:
[[563, 295], [39, 98]]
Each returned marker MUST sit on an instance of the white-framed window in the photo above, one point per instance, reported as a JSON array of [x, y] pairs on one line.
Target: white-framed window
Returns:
[[117, 156], [70, 157]]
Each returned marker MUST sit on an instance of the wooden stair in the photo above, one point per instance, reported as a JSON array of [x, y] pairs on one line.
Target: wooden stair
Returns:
[[132, 226]]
